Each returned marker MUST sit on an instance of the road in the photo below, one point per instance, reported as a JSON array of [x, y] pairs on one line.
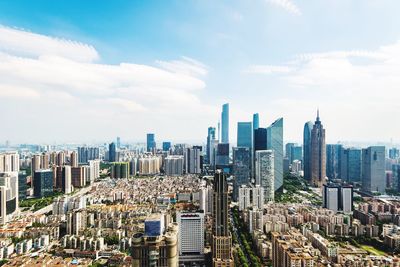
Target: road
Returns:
[[238, 237]]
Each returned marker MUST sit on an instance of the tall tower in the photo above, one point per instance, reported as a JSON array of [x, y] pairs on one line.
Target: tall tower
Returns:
[[225, 123], [210, 137], [307, 149], [222, 240], [151, 142], [265, 174], [318, 153], [256, 121], [275, 143]]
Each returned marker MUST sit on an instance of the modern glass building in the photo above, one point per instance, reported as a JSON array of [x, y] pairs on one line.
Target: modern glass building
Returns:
[[43, 183], [265, 173], [166, 146], [112, 151], [225, 123], [296, 153], [256, 121], [275, 143], [210, 138], [333, 152], [373, 170], [260, 139], [350, 165], [241, 168], [151, 142], [307, 149], [244, 134], [222, 158]]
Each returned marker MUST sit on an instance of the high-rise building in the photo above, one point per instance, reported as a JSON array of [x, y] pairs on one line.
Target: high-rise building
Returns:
[[260, 139], [88, 153], [222, 239], [308, 126], [288, 150], [222, 157], [22, 185], [35, 163], [66, 179], [225, 123], [166, 146], [44, 160], [394, 153], [373, 171], [245, 134], [8, 195], [241, 168], [120, 170], [350, 164], [74, 159], [60, 158], [151, 142], [191, 233], [43, 183], [210, 138], [338, 197], [318, 153], [9, 162], [275, 143], [193, 160], [333, 152], [118, 142], [265, 173], [112, 152], [256, 121], [296, 153], [174, 165]]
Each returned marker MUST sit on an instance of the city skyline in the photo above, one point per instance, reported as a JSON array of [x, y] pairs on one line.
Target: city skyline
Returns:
[[58, 65]]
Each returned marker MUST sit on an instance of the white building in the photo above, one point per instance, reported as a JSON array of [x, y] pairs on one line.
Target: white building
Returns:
[[8, 195], [264, 170], [174, 165], [94, 172], [251, 196], [9, 162], [191, 232]]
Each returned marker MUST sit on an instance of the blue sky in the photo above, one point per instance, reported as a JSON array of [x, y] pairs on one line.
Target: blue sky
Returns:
[[176, 62]]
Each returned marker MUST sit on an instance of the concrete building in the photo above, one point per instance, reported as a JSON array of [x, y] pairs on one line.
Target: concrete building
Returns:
[[191, 233], [318, 154], [174, 165], [265, 173], [373, 171]]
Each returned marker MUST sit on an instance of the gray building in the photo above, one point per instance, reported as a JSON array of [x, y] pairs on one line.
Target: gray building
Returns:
[[373, 170], [275, 143], [265, 173], [333, 152], [350, 165], [241, 168], [307, 150]]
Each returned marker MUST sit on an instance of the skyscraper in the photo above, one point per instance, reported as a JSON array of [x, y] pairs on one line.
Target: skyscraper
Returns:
[[222, 240], [338, 197], [166, 146], [260, 139], [222, 157], [307, 150], [275, 143], [318, 153], [244, 134], [43, 183], [225, 123], [210, 138], [333, 152], [151, 142], [112, 152], [256, 121], [191, 233], [265, 173], [8, 195], [373, 171], [193, 160], [118, 142], [350, 164], [73, 159], [241, 168]]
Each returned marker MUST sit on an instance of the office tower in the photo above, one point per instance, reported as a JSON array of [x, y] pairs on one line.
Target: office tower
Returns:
[[210, 138], [308, 126], [43, 183], [260, 139], [222, 240], [112, 152], [193, 160], [151, 142], [245, 134], [166, 146], [396, 175], [225, 123], [394, 153], [318, 153], [288, 150], [338, 197], [350, 164], [8, 195], [66, 179], [265, 173], [333, 153], [118, 142], [296, 153], [74, 159], [222, 157], [373, 170], [85, 154], [213, 152], [174, 165], [256, 121], [161, 250], [275, 143], [191, 233], [22, 185], [241, 168], [120, 170]]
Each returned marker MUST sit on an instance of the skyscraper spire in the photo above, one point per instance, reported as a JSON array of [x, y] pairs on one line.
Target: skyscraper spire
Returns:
[[317, 114]]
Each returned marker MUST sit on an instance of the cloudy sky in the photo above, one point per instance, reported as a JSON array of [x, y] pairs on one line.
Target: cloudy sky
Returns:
[[83, 71]]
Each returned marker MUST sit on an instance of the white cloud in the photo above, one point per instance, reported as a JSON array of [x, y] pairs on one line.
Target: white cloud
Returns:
[[57, 80], [288, 5]]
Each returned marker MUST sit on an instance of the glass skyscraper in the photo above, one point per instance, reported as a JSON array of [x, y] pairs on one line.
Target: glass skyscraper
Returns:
[[166, 146], [260, 139], [275, 143], [244, 134], [210, 138], [256, 121], [373, 170], [151, 142], [112, 152], [225, 123], [307, 149], [241, 168], [350, 165], [333, 152]]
